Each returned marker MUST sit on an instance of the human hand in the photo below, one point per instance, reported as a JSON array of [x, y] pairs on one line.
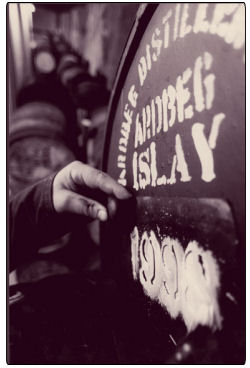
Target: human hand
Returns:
[[82, 190]]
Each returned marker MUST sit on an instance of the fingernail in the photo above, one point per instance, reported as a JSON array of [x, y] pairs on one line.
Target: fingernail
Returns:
[[124, 194], [111, 207], [102, 215]]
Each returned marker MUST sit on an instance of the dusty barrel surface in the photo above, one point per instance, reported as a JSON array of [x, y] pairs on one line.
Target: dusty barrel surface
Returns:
[[175, 138]]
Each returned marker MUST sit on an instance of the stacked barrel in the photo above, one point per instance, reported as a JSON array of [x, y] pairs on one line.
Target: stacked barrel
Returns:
[[71, 69], [87, 91], [89, 95], [44, 129], [37, 144], [44, 58], [42, 136], [53, 55]]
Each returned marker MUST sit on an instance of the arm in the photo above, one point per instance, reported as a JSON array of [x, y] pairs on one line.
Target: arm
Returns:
[[30, 213], [54, 206]]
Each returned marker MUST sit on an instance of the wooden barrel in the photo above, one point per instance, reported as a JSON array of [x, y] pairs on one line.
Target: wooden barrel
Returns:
[[44, 58], [33, 158], [66, 60], [175, 138], [39, 145], [90, 92], [36, 108], [37, 119], [70, 72], [37, 138], [49, 90], [71, 68], [44, 61], [42, 88]]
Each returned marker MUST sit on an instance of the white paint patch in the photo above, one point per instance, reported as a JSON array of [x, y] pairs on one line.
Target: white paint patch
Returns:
[[200, 288], [184, 283]]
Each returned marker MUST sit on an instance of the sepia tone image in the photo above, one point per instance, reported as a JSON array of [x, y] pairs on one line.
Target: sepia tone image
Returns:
[[126, 183]]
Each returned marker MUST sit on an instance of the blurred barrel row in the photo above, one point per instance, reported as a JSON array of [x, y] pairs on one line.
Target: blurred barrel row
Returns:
[[47, 51], [53, 55], [52, 109], [57, 114]]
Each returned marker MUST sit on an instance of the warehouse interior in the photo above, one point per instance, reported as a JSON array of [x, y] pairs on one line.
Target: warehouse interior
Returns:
[[81, 79]]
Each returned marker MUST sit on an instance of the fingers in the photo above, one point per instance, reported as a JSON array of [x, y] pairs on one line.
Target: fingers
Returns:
[[78, 189], [77, 204], [84, 175]]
